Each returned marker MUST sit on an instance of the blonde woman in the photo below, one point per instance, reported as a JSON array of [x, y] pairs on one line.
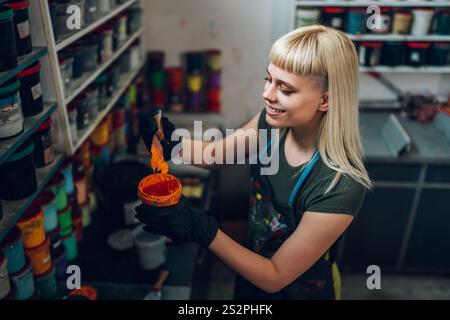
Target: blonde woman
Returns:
[[296, 215]]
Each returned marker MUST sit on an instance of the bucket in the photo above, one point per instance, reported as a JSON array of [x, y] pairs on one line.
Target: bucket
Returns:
[[60, 263], [150, 248], [46, 285], [18, 175], [31, 226], [40, 258], [66, 170], [47, 202], [160, 190], [43, 145], [12, 247], [65, 217], [11, 116], [5, 286], [31, 90], [8, 51], [21, 26], [58, 186], [24, 283], [421, 22], [70, 244]]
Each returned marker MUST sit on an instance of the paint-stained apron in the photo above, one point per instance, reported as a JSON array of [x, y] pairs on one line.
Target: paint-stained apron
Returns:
[[270, 227]]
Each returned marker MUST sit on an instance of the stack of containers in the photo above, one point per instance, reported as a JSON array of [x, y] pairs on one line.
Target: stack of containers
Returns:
[[175, 88], [21, 26], [213, 76], [156, 76], [194, 66]]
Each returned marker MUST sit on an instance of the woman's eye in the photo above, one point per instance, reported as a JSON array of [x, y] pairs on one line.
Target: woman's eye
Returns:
[[286, 93], [267, 79]]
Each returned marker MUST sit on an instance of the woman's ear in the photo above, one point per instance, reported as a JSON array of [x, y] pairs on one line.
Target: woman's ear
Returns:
[[323, 106]]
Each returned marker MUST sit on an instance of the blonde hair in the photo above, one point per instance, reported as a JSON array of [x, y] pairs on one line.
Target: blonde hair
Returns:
[[330, 56]]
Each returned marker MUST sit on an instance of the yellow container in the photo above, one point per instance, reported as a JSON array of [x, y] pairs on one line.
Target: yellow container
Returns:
[[31, 226], [195, 83]]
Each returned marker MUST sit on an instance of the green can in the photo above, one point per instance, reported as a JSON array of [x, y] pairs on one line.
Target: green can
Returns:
[[70, 243], [65, 218], [58, 186], [46, 284], [157, 79]]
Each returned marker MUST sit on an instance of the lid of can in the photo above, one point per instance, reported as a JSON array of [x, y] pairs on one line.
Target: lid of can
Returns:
[[24, 150], [333, 10], [18, 5], [385, 9], [30, 213], [34, 68], [12, 236], [442, 44], [372, 44], [10, 88], [6, 12], [44, 198], [45, 125], [418, 45]]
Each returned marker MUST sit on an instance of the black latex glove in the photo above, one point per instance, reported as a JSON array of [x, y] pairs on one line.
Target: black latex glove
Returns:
[[149, 129], [181, 223]]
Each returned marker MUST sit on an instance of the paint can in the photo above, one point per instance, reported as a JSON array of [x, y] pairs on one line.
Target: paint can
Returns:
[[443, 22], [81, 187], [194, 101], [82, 112], [11, 116], [12, 247], [195, 61], [195, 83], [333, 17], [46, 285], [155, 61], [417, 53], [40, 258], [393, 53], [24, 282], [175, 79], [213, 60], [65, 217], [157, 79], [356, 21], [370, 53], [70, 244], [135, 54], [421, 22], [21, 26], [91, 96], [58, 186], [439, 54], [18, 175], [91, 10], [77, 53], [8, 51], [214, 80], [66, 69], [5, 285], [31, 90], [47, 202], [72, 115], [213, 100], [402, 22], [66, 170], [60, 262], [307, 17], [160, 190], [150, 248], [385, 21], [43, 145], [31, 226], [100, 135]]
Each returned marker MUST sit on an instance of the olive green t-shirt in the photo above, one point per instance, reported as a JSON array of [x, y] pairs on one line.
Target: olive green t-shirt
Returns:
[[346, 197]]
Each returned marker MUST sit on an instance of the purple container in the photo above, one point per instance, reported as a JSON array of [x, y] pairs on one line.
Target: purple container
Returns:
[[214, 80], [194, 101]]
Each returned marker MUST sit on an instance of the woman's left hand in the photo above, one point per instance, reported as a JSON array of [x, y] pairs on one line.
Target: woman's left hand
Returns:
[[181, 223]]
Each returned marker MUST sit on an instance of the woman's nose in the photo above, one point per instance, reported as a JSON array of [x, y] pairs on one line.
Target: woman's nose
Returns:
[[269, 93]]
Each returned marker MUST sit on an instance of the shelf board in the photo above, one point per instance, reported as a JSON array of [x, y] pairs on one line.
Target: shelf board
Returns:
[[406, 69], [320, 3], [397, 37], [82, 83], [23, 63], [13, 210], [8, 146], [124, 83], [71, 38]]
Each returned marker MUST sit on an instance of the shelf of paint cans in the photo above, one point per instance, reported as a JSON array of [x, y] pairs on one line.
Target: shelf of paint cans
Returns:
[[397, 37], [23, 63], [124, 83], [13, 210], [319, 3], [71, 38], [405, 69], [8, 146], [82, 83]]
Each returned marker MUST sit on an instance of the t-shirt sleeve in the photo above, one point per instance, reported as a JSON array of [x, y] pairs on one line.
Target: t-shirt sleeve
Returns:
[[346, 197]]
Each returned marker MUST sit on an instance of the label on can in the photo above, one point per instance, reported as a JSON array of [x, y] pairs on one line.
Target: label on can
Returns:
[[11, 118], [336, 22], [415, 56], [23, 29], [36, 91]]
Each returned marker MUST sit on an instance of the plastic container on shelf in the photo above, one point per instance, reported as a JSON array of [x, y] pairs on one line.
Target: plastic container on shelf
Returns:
[[125, 62], [443, 22], [122, 25], [40, 258], [23, 282], [77, 53], [66, 68], [60, 8], [151, 248], [401, 22], [12, 247], [333, 17], [11, 116], [135, 19], [46, 285], [8, 50], [58, 187], [356, 21], [91, 98], [43, 145], [135, 55], [81, 105], [70, 244], [21, 26], [31, 90], [65, 217], [385, 21], [104, 6], [18, 175], [421, 21], [91, 10], [439, 54], [66, 170], [393, 54], [31, 225], [47, 202], [370, 53], [307, 16], [101, 84], [90, 56], [417, 53]]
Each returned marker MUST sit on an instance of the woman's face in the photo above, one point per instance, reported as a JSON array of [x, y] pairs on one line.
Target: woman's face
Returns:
[[292, 100]]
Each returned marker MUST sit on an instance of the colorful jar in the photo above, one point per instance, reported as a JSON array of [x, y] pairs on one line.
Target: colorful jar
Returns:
[[370, 53], [213, 60], [60, 263], [58, 186], [384, 21], [31, 226], [307, 17], [443, 22], [46, 285], [356, 21], [417, 53], [11, 116], [70, 244], [402, 22], [81, 187], [47, 202], [65, 217], [24, 283], [66, 170], [31, 90], [12, 247], [43, 145], [333, 17], [439, 54], [40, 258], [422, 21]]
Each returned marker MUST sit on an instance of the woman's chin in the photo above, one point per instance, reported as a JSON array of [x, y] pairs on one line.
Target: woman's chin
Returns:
[[275, 123]]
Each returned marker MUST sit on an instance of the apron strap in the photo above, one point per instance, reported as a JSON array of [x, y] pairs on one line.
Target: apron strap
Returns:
[[303, 175]]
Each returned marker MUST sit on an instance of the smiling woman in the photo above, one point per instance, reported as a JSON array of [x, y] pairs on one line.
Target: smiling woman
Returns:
[[297, 214]]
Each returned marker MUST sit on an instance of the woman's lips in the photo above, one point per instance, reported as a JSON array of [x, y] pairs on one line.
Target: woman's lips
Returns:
[[273, 112]]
